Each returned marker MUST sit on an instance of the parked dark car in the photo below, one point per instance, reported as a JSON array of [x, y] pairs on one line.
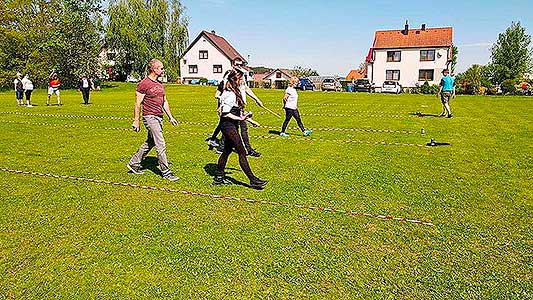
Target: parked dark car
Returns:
[[305, 84], [363, 85]]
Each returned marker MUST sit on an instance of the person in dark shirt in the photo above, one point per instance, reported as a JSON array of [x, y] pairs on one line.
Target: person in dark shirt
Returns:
[[84, 86], [150, 94]]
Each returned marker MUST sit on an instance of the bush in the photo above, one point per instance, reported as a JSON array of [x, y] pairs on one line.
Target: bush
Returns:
[[429, 89], [509, 86], [203, 81]]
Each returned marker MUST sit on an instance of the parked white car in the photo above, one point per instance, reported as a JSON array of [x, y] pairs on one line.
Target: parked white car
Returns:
[[331, 84], [391, 87]]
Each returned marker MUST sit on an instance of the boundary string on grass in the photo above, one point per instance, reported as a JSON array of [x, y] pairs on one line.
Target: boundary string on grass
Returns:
[[205, 134], [221, 197], [204, 123], [357, 113]]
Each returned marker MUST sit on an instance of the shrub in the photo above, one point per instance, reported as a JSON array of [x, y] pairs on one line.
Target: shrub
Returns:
[[429, 89], [509, 86], [203, 81]]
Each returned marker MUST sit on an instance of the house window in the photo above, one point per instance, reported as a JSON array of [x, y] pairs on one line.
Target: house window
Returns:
[[393, 75], [425, 75], [217, 68], [278, 75], [203, 54], [394, 56], [427, 55], [193, 69]]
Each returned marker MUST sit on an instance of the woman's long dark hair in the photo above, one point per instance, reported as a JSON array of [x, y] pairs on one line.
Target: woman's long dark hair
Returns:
[[232, 86]]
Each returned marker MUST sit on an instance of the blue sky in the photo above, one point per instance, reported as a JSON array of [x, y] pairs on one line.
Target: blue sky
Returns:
[[334, 36]]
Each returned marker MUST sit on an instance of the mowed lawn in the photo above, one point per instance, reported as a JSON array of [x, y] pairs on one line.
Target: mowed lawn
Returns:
[[304, 236]]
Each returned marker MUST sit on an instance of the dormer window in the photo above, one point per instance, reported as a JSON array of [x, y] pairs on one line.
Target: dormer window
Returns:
[[203, 54]]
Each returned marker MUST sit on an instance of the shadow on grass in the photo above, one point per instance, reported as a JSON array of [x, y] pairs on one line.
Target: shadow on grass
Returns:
[[211, 170], [274, 132], [108, 85], [151, 163], [436, 144], [423, 115]]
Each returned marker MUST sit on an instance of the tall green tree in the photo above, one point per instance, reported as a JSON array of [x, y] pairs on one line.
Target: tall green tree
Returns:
[[300, 71], [40, 35], [139, 30], [511, 54], [455, 52]]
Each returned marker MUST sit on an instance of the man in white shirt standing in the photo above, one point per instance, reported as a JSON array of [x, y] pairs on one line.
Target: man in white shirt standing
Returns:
[[84, 86], [27, 85]]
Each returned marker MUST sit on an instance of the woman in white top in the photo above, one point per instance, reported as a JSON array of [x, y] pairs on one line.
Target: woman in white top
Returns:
[[290, 104], [27, 85], [231, 104]]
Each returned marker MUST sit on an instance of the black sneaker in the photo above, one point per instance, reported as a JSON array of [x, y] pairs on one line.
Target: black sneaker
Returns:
[[258, 184], [171, 177], [135, 169], [220, 180], [450, 116], [254, 153]]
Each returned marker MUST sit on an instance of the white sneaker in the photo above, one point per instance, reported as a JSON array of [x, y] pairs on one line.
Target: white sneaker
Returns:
[[212, 143]]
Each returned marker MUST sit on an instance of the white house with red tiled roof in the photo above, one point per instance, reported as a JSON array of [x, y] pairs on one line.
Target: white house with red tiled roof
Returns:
[[277, 77], [410, 56], [209, 56]]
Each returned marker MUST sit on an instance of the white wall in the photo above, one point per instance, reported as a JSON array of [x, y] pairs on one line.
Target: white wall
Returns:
[[273, 78], [205, 66], [409, 66]]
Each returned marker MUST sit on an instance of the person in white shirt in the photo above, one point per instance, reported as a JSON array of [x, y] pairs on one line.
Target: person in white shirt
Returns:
[[19, 90], [27, 85], [290, 104], [231, 117], [245, 90], [84, 86]]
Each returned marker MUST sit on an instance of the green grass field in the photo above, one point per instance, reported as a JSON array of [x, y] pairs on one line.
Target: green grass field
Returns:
[[67, 238]]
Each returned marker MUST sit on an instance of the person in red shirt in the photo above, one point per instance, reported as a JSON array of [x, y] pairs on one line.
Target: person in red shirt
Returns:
[[53, 87], [150, 94]]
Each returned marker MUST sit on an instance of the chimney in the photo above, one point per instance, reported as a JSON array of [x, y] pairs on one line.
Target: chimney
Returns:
[[423, 27], [406, 30]]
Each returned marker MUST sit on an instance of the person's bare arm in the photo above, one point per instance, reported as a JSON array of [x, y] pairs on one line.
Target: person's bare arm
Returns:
[[285, 99], [166, 107], [137, 111]]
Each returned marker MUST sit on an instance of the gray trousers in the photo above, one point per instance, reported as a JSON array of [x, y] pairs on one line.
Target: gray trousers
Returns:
[[155, 138]]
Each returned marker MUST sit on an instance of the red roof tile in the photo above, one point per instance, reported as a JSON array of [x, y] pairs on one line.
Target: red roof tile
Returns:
[[224, 46], [356, 74], [431, 37]]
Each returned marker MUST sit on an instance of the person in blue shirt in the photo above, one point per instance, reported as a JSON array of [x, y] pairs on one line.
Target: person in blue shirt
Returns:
[[446, 92]]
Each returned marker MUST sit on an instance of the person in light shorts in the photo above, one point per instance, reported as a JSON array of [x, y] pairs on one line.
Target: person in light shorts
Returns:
[[446, 92], [53, 88]]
